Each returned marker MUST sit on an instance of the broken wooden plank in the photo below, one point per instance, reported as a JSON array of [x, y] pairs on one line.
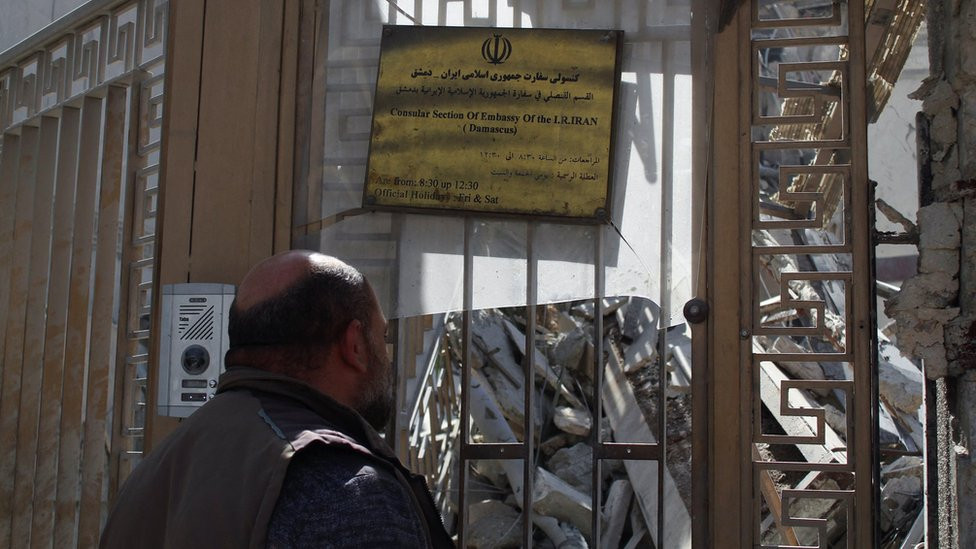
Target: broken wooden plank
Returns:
[[773, 501]]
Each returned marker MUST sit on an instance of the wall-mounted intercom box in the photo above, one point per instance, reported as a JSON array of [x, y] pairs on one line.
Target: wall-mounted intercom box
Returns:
[[193, 340]]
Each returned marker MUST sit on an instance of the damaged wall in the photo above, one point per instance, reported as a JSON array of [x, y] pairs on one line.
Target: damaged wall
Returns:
[[935, 312]]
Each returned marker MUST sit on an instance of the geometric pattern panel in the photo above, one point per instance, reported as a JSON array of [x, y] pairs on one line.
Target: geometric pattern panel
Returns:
[[809, 378], [80, 143]]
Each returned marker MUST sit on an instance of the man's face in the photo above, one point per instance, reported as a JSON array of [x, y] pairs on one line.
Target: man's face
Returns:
[[378, 399]]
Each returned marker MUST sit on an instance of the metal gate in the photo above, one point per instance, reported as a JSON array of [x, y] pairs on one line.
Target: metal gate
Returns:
[[794, 196], [788, 283], [81, 114]]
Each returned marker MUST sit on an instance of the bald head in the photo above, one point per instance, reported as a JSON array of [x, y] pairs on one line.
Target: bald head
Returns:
[[295, 304], [273, 276]]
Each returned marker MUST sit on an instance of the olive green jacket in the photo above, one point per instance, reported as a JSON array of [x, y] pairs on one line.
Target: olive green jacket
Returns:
[[215, 480]]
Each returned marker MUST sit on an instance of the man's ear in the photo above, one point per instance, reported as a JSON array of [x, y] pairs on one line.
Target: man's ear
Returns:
[[352, 346]]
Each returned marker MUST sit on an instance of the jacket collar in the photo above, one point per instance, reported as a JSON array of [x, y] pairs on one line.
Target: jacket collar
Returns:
[[342, 417]]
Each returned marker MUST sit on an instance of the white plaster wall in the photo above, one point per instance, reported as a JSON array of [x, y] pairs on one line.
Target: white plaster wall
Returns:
[[892, 156], [22, 18]]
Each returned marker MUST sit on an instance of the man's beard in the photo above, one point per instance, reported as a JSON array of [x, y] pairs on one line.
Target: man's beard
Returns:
[[378, 400]]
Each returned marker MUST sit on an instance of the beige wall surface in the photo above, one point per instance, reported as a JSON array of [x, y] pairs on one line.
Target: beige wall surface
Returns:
[[22, 18]]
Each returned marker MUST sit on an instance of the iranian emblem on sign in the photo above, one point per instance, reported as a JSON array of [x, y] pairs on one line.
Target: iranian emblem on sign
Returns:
[[496, 50]]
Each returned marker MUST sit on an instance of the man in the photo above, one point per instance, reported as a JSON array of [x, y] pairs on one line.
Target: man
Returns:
[[286, 454]]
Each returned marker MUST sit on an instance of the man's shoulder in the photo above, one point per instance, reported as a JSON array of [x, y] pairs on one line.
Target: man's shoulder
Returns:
[[333, 469], [333, 493]]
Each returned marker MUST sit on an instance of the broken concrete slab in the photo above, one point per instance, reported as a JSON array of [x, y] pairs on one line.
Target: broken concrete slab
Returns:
[[574, 465], [629, 425], [615, 513], [899, 381], [492, 524], [554, 497], [939, 226], [541, 364], [572, 420]]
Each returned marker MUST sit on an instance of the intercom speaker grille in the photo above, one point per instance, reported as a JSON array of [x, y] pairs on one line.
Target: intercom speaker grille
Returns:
[[196, 322]]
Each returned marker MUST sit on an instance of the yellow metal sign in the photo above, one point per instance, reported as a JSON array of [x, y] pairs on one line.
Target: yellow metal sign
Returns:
[[508, 121]]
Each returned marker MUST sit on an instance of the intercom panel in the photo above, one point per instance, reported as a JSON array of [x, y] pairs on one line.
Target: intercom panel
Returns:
[[193, 342]]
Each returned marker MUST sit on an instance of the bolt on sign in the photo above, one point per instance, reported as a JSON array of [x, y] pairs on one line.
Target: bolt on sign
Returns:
[[495, 121]]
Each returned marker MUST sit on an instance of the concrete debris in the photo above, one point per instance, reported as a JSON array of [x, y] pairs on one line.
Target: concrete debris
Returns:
[[901, 498], [561, 535], [900, 381], [574, 465], [492, 524], [940, 224], [811, 420], [615, 512], [573, 420], [554, 497]]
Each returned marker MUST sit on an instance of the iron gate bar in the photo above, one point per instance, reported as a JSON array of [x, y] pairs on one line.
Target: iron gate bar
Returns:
[[528, 440], [866, 479], [858, 289], [664, 318], [595, 443], [623, 450], [495, 450], [703, 86], [467, 300]]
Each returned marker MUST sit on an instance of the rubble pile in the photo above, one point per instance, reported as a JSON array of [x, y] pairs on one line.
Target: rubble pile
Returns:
[[563, 424]]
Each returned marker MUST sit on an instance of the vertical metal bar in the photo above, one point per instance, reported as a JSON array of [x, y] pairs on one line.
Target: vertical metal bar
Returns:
[[9, 161], [312, 64], [76, 342], [104, 307], [45, 478], [859, 334], [745, 390], [467, 303], [723, 388], [934, 396], [31, 382], [13, 357], [122, 375], [528, 467], [702, 87], [596, 443], [872, 296], [664, 286]]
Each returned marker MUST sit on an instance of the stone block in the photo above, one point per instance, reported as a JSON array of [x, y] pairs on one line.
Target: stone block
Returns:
[[836, 419], [935, 362], [574, 465], [939, 97], [943, 128], [925, 290], [900, 386], [899, 498], [573, 420], [960, 342], [939, 224], [553, 497], [568, 350], [492, 524], [918, 332], [938, 261]]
